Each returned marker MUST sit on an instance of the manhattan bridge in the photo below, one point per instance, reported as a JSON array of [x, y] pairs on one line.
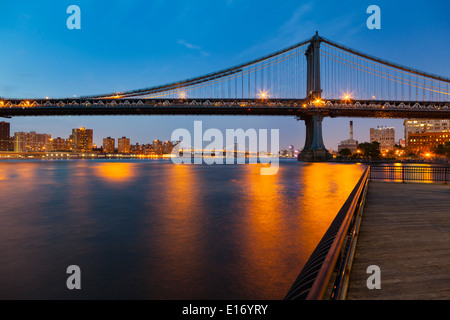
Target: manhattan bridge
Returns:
[[313, 79]]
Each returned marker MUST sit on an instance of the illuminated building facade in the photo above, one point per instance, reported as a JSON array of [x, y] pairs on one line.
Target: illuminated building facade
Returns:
[[385, 136], [167, 147], [426, 141], [123, 145], [157, 147], [60, 144], [82, 140], [32, 142], [108, 145], [421, 126]]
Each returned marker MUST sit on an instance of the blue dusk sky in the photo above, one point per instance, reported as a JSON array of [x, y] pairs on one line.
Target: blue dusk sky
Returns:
[[124, 45]]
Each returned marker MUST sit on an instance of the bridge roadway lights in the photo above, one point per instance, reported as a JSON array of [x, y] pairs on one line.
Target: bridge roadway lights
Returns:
[[314, 150]]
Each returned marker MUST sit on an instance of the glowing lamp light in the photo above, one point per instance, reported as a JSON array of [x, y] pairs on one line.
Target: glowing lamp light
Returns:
[[182, 95], [263, 95]]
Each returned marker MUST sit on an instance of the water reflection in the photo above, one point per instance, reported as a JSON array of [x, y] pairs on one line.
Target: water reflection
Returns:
[[155, 230], [115, 171], [324, 188], [178, 214]]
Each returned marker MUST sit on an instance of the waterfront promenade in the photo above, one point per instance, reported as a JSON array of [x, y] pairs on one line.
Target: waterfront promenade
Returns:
[[405, 231]]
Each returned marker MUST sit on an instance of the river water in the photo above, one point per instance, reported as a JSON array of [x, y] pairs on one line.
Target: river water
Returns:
[[150, 229]]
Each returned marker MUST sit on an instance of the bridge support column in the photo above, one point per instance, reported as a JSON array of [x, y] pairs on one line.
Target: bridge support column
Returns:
[[314, 150]]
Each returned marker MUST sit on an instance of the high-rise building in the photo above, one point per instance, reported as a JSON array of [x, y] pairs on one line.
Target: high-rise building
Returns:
[[108, 145], [385, 136], [5, 140], [421, 126], [123, 145], [82, 140], [32, 142], [350, 144], [167, 147], [157, 147]]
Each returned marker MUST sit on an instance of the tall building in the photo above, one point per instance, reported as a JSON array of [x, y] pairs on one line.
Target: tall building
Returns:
[[426, 141], [123, 145], [32, 142], [108, 145], [421, 126], [5, 140], [157, 147], [167, 147], [350, 144], [385, 136], [82, 140]]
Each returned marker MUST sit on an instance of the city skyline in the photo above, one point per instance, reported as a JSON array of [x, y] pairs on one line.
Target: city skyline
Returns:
[[375, 134], [101, 139], [98, 138], [176, 53]]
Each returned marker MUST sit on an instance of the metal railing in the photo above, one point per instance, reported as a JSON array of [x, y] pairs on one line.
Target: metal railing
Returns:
[[410, 173], [325, 274]]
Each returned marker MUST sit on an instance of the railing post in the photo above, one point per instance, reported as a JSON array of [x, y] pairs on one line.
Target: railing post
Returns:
[[445, 175], [403, 174]]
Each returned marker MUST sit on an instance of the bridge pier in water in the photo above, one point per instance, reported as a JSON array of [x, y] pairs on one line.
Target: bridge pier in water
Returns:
[[314, 149]]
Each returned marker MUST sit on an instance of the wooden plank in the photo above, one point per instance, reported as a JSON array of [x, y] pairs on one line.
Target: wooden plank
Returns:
[[405, 230]]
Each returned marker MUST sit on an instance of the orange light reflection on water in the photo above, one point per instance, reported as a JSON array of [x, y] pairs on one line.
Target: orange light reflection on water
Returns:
[[278, 221], [115, 171], [180, 247]]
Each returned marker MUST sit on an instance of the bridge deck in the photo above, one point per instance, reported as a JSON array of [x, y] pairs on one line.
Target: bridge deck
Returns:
[[405, 230]]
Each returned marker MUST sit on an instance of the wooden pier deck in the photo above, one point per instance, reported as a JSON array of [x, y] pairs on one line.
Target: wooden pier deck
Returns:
[[405, 231]]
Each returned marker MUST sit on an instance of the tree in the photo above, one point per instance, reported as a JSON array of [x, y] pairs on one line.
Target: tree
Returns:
[[410, 152], [346, 152], [439, 150], [442, 149], [370, 150]]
